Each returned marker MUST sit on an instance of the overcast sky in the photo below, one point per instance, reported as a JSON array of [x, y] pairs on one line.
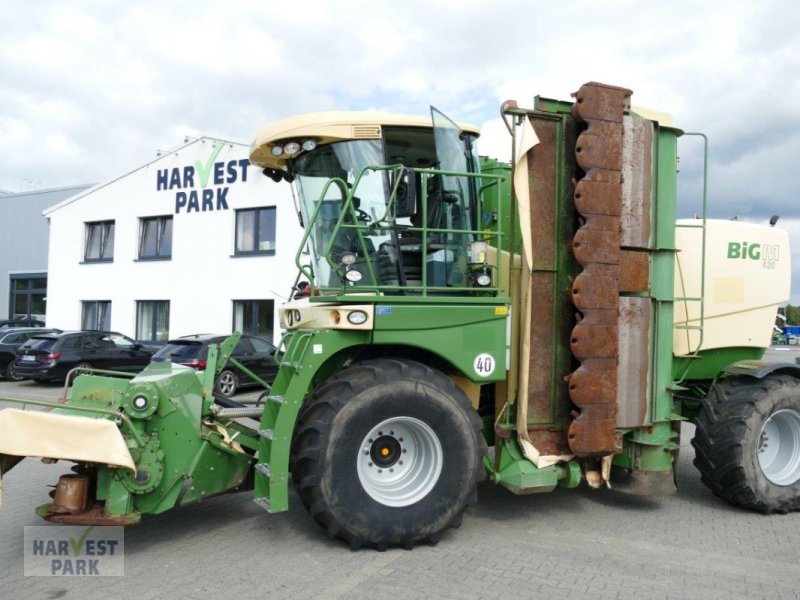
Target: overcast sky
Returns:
[[91, 89]]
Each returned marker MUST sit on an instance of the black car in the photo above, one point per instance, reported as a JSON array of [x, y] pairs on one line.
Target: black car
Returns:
[[255, 353], [11, 339], [50, 356], [23, 322]]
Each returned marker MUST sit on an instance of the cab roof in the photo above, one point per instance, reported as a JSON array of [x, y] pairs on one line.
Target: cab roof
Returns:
[[327, 127]]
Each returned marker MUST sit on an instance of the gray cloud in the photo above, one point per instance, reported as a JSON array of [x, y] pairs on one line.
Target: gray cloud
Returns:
[[89, 89]]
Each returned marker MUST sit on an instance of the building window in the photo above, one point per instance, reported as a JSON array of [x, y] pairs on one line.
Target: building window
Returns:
[[152, 320], [99, 242], [96, 314], [28, 296], [254, 317], [255, 231], [155, 238]]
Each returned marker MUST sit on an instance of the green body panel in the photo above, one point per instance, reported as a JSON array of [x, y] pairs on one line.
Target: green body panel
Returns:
[[307, 357], [459, 334], [181, 451], [497, 204], [708, 364], [516, 473]]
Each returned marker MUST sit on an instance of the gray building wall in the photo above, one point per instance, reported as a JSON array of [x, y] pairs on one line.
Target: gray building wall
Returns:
[[24, 234]]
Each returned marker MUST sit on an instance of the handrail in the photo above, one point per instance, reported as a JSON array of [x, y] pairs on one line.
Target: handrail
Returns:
[[701, 299]]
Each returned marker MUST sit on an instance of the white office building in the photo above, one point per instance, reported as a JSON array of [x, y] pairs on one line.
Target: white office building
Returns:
[[196, 241]]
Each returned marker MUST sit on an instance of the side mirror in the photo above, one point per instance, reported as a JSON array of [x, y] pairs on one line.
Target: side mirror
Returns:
[[406, 198]]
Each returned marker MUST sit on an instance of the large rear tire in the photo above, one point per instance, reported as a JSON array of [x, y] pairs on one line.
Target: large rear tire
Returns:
[[388, 452], [747, 443]]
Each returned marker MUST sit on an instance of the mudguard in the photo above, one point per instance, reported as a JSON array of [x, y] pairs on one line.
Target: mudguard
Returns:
[[761, 368]]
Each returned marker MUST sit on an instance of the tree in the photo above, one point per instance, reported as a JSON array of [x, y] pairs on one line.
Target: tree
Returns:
[[792, 315]]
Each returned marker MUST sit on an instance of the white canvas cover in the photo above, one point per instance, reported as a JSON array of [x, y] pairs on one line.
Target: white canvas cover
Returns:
[[48, 435]]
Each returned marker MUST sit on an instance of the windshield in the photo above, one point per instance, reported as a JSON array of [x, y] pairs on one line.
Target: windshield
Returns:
[[341, 167]]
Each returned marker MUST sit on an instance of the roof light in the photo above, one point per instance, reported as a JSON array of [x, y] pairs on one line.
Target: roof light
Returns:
[[277, 151], [309, 145], [291, 148]]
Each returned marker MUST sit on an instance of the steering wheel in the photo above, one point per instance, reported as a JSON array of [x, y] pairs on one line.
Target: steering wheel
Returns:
[[363, 216]]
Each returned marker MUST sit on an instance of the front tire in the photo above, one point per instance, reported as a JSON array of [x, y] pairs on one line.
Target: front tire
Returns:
[[747, 443], [388, 452]]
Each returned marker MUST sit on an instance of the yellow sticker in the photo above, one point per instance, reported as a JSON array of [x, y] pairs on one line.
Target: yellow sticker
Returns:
[[501, 310]]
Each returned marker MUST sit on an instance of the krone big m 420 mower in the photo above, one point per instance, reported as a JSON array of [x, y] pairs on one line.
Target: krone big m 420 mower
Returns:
[[455, 319]]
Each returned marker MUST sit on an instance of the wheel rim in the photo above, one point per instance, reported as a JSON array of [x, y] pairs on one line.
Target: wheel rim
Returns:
[[11, 374], [779, 447], [399, 461], [227, 385]]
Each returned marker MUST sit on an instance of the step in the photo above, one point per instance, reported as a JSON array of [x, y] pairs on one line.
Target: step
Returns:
[[267, 434], [263, 503], [264, 469]]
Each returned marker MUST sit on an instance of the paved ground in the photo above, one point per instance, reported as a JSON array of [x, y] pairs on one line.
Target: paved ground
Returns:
[[581, 544]]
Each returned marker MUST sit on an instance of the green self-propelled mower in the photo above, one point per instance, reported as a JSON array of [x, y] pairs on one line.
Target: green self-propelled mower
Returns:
[[542, 324]]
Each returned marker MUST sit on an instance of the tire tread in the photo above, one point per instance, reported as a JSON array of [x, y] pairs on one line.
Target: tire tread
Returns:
[[318, 415], [720, 453]]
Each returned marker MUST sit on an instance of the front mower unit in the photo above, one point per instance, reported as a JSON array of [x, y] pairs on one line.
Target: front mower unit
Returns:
[[143, 445]]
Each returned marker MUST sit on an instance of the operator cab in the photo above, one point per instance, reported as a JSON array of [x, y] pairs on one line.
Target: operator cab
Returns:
[[390, 203]]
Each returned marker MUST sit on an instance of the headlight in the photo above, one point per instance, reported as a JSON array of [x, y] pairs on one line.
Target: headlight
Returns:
[[483, 280], [353, 276], [357, 317], [347, 259]]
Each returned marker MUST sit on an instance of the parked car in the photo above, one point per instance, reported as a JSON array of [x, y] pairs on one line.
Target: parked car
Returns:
[[255, 353], [11, 338], [23, 322], [50, 356]]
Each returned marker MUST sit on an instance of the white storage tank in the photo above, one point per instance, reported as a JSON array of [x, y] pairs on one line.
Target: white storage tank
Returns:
[[747, 276]]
